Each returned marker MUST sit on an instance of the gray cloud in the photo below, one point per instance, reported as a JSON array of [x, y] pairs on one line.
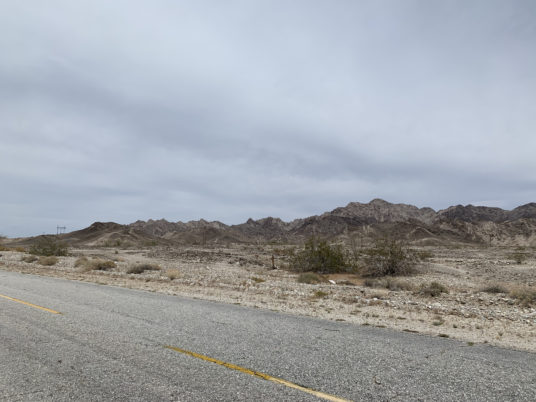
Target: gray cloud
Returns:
[[134, 110]]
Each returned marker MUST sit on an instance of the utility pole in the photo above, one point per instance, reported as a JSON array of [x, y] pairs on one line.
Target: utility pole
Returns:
[[60, 230]]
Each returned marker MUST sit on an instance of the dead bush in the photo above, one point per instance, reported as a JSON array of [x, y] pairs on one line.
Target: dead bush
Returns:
[[519, 257], [29, 258], [172, 274], [140, 268], [309, 278], [525, 295], [82, 261], [101, 265], [494, 288], [47, 260], [97, 264], [433, 289], [390, 283]]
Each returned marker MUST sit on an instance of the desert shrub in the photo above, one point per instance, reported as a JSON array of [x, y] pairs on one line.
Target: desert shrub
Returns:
[[519, 257], [172, 273], [100, 265], [388, 283], [321, 257], [525, 296], [140, 268], [257, 279], [433, 289], [309, 277], [389, 257], [494, 288], [29, 258], [97, 264], [320, 295], [47, 246], [82, 261], [17, 249], [47, 260], [424, 255]]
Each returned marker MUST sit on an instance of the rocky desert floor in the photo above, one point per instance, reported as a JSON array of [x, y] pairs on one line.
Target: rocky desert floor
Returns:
[[484, 303]]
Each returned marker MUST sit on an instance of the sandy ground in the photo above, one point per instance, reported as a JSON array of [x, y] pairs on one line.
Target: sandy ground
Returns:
[[244, 275]]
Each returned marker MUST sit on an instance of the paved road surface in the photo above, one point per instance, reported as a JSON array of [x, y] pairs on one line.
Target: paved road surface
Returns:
[[109, 344]]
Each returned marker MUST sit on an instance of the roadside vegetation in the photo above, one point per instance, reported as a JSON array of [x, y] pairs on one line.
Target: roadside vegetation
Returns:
[[96, 264], [433, 289], [310, 278], [389, 283], [141, 268], [519, 256], [172, 273], [47, 260], [320, 257], [525, 295], [389, 257], [48, 246]]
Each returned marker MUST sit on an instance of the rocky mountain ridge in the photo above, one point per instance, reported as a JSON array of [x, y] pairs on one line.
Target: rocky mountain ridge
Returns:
[[456, 224]]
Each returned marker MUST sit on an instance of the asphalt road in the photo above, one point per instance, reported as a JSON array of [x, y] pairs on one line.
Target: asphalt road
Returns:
[[110, 344]]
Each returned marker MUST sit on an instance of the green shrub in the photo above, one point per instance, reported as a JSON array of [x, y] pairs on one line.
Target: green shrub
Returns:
[[47, 246], [310, 278], [389, 257], [433, 289], [318, 256], [320, 295], [140, 268]]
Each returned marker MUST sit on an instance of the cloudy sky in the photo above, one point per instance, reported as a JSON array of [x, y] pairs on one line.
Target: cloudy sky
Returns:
[[225, 110]]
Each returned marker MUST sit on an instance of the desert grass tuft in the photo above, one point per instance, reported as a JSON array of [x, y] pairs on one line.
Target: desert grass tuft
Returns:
[[172, 273]]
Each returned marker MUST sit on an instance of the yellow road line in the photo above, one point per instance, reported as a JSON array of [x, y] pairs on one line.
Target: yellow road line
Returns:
[[267, 377], [30, 304]]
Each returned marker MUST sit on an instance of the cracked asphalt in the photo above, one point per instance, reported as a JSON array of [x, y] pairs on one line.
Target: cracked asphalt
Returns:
[[110, 344]]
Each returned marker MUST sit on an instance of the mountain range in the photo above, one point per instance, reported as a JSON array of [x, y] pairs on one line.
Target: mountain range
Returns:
[[358, 221]]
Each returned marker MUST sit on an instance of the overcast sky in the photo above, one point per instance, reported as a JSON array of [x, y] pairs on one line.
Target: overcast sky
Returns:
[[225, 110]]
